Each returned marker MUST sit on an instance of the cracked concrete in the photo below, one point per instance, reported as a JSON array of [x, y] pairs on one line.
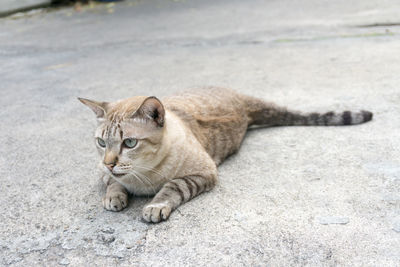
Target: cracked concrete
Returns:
[[291, 196]]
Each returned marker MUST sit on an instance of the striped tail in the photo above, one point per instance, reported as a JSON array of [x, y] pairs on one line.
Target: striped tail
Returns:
[[289, 118], [268, 114]]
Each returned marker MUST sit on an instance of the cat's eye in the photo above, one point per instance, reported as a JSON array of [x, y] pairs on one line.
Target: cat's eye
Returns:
[[101, 142], [130, 142]]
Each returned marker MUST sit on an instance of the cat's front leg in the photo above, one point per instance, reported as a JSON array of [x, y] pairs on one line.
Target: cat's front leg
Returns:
[[175, 193], [116, 197]]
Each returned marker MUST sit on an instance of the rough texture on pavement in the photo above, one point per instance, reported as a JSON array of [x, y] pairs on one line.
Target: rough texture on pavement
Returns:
[[292, 196]]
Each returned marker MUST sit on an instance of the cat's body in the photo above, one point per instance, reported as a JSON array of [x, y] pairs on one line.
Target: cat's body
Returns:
[[178, 142]]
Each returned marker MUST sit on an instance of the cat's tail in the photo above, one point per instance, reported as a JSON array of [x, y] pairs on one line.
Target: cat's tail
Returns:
[[264, 113]]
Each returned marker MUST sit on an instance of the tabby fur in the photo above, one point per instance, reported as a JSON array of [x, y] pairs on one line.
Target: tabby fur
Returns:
[[181, 140]]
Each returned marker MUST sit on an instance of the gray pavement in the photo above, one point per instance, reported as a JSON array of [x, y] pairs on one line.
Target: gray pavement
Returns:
[[8, 7], [317, 196]]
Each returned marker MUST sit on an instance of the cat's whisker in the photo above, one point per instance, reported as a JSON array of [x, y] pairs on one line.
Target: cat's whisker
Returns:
[[154, 171], [146, 179], [165, 179], [138, 178]]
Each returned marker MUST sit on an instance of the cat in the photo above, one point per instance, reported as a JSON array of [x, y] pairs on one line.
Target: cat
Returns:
[[171, 148]]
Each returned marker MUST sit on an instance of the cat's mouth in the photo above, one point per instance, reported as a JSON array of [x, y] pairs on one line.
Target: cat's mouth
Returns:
[[118, 174]]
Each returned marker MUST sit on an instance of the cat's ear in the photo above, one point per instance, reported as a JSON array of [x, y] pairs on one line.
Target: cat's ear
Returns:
[[99, 108], [151, 109]]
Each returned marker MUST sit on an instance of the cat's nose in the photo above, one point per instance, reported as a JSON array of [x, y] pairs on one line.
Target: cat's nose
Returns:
[[110, 159], [110, 166]]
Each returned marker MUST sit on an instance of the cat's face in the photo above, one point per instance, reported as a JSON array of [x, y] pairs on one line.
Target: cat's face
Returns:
[[129, 134]]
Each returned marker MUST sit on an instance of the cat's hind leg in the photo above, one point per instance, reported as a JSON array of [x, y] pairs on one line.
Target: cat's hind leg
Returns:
[[116, 197]]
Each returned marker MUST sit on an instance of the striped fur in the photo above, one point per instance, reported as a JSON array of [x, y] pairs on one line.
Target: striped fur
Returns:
[[264, 113], [181, 140]]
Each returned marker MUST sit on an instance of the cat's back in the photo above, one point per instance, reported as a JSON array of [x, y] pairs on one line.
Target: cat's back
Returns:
[[208, 101], [216, 116]]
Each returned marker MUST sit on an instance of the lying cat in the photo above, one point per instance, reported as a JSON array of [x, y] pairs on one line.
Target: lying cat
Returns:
[[171, 149]]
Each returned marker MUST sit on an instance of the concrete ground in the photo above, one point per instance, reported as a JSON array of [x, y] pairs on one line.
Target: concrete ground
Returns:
[[317, 196], [8, 7]]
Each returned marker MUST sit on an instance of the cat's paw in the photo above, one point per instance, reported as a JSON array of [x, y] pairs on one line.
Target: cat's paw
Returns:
[[155, 212], [115, 201]]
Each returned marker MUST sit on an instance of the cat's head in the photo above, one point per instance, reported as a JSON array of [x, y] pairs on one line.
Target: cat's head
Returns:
[[129, 133]]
